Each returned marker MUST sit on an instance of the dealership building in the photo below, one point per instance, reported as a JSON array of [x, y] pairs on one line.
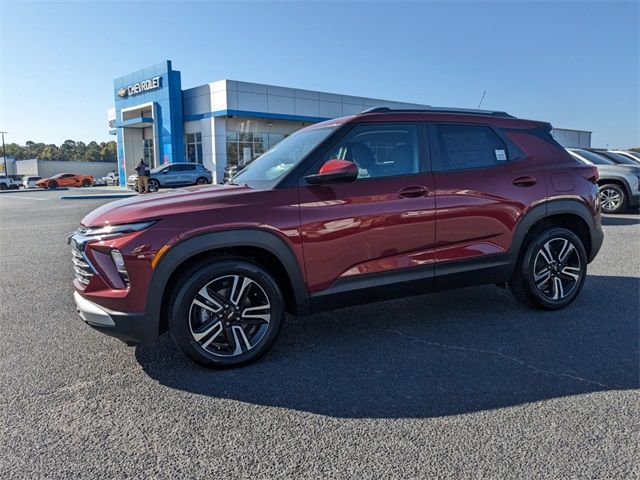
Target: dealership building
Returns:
[[225, 122]]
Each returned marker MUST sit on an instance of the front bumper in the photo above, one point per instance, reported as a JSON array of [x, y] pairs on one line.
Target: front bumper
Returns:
[[131, 328]]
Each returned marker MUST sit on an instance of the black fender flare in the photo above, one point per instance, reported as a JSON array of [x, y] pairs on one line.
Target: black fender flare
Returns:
[[250, 237], [549, 209]]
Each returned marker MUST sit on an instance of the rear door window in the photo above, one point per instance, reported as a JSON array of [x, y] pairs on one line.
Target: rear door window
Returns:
[[464, 147]]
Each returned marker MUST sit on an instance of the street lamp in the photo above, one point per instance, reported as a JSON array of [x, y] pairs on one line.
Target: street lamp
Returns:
[[4, 156]]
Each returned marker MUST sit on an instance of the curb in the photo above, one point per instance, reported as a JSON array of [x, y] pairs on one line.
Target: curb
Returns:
[[31, 190], [97, 197]]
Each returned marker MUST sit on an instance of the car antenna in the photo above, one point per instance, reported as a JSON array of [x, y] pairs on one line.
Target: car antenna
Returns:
[[481, 99]]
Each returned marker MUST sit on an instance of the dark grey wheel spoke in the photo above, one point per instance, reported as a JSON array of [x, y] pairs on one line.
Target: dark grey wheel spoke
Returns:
[[230, 315], [242, 343], [572, 272], [240, 290]]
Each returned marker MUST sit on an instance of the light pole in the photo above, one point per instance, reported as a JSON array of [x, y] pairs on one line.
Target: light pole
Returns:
[[4, 156]]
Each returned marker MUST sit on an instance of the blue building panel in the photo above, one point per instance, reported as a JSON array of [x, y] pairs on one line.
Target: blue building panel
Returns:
[[166, 95]]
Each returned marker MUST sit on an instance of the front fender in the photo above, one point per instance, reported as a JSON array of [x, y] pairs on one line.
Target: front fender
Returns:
[[250, 237]]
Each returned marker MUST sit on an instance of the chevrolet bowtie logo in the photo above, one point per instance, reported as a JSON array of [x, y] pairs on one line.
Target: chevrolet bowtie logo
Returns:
[[122, 92]]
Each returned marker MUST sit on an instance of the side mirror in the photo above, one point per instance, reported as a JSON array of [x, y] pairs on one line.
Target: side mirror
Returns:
[[334, 171]]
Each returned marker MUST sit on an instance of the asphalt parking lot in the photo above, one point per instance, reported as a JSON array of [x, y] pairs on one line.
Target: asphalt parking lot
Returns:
[[462, 384]]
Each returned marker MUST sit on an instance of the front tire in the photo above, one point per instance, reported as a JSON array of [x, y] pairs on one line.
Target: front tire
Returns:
[[154, 185], [226, 313], [552, 270], [613, 198], [53, 185]]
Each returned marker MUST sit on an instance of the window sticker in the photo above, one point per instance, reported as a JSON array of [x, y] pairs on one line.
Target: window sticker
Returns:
[[501, 155]]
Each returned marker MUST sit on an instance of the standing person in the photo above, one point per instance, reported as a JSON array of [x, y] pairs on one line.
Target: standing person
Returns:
[[143, 177]]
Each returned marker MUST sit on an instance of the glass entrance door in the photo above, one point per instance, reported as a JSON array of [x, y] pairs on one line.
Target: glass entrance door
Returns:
[[148, 155]]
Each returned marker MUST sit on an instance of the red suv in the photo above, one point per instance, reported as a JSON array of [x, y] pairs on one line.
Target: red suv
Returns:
[[383, 204]]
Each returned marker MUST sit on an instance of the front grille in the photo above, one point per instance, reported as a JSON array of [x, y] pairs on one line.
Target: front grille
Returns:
[[83, 270]]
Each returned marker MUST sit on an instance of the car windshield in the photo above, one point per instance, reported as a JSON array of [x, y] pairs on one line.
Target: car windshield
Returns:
[[634, 154], [159, 169], [621, 159], [267, 169], [58, 175], [593, 157]]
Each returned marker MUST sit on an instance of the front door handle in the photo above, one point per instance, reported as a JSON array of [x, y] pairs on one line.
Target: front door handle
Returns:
[[525, 181], [413, 192]]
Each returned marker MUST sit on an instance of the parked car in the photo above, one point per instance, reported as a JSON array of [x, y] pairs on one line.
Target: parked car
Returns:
[[100, 182], [30, 181], [384, 204], [112, 178], [614, 157], [635, 156], [8, 183], [619, 185], [66, 180], [174, 175]]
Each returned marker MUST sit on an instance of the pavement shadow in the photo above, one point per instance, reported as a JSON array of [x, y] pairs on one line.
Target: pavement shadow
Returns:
[[433, 355], [619, 221]]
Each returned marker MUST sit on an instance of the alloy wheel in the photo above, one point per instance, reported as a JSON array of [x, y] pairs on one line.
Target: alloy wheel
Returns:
[[557, 270], [229, 316], [610, 199]]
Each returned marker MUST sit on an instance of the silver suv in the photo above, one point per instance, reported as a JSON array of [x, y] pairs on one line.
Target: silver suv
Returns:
[[619, 185], [174, 175]]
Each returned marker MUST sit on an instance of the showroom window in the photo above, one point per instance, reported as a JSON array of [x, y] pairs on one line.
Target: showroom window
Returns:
[[147, 151], [244, 147], [193, 147], [469, 146], [379, 151]]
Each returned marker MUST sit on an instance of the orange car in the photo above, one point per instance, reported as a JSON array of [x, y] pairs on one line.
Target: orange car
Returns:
[[66, 180]]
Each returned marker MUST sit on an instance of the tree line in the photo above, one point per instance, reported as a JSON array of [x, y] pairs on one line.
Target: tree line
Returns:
[[68, 150]]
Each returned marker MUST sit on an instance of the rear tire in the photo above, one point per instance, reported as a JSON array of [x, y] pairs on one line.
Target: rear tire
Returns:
[[201, 181], [86, 183], [613, 198], [3, 186], [226, 313], [552, 270]]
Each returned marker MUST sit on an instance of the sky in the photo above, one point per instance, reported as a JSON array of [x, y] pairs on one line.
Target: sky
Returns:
[[574, 64]]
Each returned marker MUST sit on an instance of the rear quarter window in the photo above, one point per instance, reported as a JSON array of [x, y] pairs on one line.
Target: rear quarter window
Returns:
[[465, 147]]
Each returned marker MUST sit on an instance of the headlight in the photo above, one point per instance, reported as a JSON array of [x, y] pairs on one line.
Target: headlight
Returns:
[[116, 229], [118, 261]]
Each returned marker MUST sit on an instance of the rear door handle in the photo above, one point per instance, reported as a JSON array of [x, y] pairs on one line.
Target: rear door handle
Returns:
[[413, 192], [525, 181]]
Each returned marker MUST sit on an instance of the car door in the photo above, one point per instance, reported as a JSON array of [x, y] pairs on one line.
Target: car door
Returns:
[[67, 180], [483, 186], [170, 177], [378, 227], [188, 176]]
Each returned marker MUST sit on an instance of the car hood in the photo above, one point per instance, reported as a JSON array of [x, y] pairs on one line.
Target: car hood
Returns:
[[154, 206]]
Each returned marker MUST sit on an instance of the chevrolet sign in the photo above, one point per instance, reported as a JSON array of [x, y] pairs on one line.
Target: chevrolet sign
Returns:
[[140, 87]]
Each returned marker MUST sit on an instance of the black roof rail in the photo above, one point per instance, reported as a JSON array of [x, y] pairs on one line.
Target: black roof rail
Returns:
[[466, 111]]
